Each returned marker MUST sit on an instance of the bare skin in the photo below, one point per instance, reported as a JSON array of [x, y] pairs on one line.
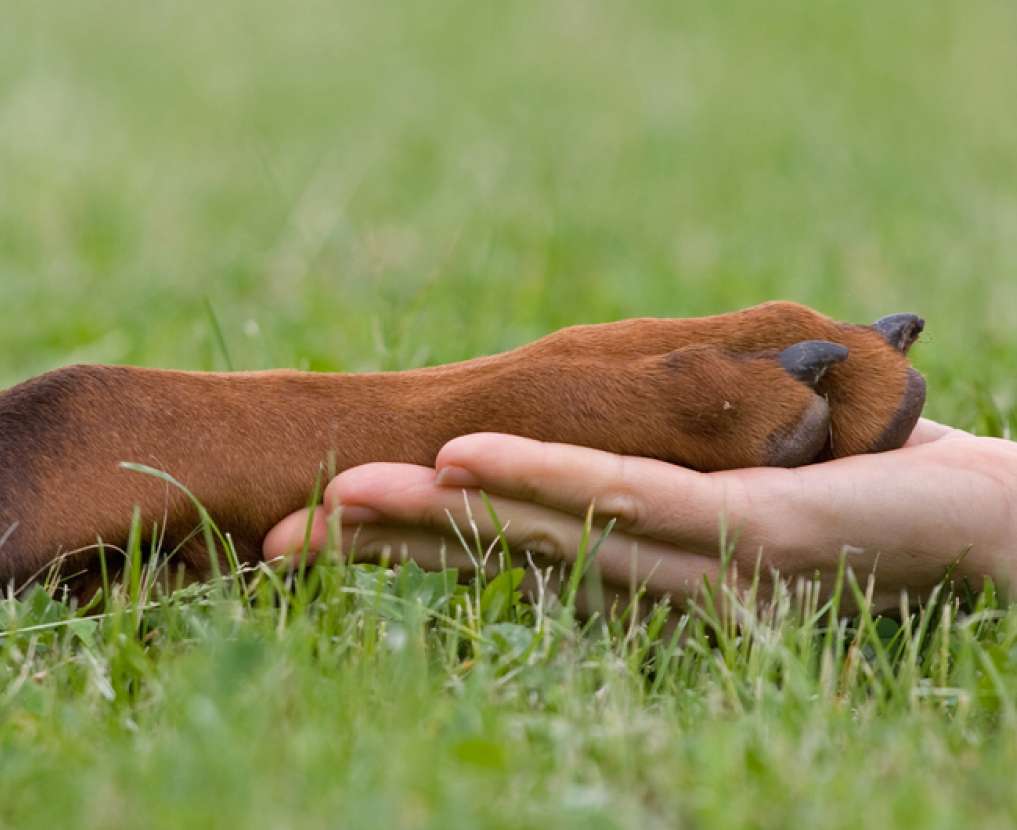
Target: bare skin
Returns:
[[946, 499]]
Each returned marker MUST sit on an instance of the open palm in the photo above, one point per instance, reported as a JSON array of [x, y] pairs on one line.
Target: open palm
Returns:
[[947, 498]]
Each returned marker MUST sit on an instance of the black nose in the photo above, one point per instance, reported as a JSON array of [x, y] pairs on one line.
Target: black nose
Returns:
[[900, 330]]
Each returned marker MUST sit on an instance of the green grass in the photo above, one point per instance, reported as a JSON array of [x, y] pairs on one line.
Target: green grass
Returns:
[[352, 186]]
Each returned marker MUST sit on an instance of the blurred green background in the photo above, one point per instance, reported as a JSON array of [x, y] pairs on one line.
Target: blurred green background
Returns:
[[383, 185], [359, 186]]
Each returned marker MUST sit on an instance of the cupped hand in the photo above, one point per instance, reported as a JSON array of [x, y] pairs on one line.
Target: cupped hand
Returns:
[[947, 500]]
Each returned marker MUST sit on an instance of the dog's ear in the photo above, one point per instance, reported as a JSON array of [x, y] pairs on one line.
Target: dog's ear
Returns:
[[900, 330]]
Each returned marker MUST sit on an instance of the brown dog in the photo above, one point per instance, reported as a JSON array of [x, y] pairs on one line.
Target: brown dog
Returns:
[[777, 385]]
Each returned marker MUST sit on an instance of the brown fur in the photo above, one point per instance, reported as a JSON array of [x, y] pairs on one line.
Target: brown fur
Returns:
[[706, 393]]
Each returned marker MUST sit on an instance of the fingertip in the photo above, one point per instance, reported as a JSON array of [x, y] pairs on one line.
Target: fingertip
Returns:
[[927, 431], [370, 484], [463, 450], [453, 476], [292, 533], [468, 452]]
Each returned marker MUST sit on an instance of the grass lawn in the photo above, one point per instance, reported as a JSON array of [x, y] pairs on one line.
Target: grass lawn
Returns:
[[355, 186]]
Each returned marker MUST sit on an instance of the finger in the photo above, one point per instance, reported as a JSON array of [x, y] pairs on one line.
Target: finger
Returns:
[[927, 431], [306, 527], [308, 530], [407, 495], [542, 577], [431, 550], [625, 565], [648, 498], [436, 551]]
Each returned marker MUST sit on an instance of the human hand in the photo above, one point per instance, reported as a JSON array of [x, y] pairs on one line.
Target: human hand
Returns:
[[947, 498]]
